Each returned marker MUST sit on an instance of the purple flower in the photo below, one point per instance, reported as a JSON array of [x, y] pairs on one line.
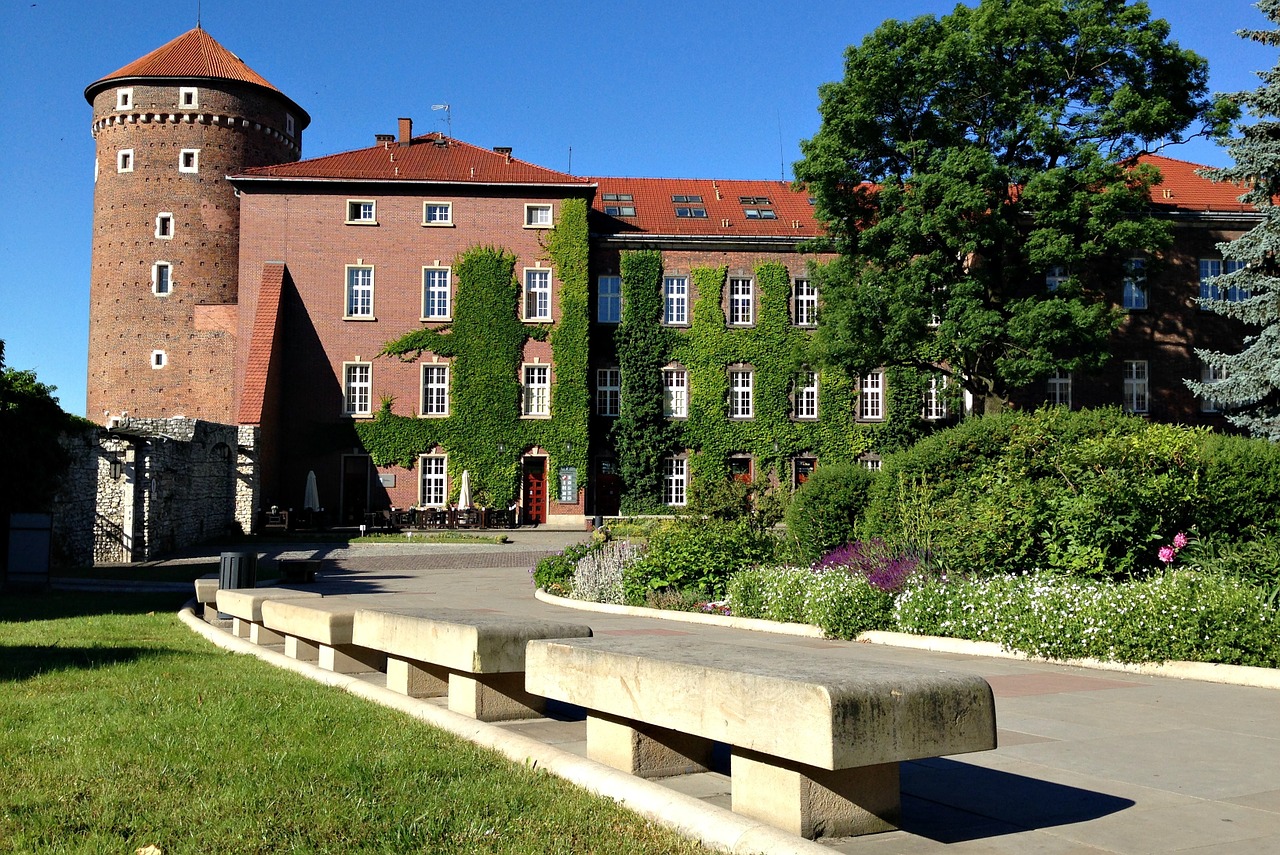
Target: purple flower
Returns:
[[1167, 554], [1179, 540]]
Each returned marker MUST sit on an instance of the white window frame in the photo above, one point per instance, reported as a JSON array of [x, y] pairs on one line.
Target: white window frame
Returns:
[[124, 98], [188, 96], [871, 397], [429, 207], [537, 294], [534, 215], [1210, 375], [431, 309], [675, 392], [1058, 391], [675, 481], [935, 399], [608, 391], [805, 404], [871, 461], [435, 390], [357, 388], [358, 208], [124, 160], [1055, 277], [1135, 285], [1137, 386], [433, 480], [535, 390], [608, 299], [741, 302], [162, 271], [290, 124], [804, 302], [194, 155], [351, 289], [164, 217], [741, 393], [675, 301], [1213, 267], [159, 359]]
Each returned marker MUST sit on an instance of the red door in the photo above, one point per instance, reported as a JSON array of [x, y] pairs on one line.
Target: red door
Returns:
[[535, 490]]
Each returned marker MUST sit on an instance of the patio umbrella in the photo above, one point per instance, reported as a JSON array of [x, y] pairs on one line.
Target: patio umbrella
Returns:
[[464, 491], [311, 502]]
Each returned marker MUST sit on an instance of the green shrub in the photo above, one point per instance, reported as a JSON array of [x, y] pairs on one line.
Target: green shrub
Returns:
[[782, 592], [845, 606], [1241, 483], [598, 575], [1256, 562], [745, 592], [554, 573], [824, 512], [697, 555]]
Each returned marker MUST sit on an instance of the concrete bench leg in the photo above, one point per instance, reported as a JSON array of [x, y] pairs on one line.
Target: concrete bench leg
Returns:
[[813, 802], [259, 634], [301, 649], [645, 750], [493, 697], [416, 679], [240, 627], [349, 659]]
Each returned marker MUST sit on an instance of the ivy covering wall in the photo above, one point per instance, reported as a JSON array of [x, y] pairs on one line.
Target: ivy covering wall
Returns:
[[484, 433]]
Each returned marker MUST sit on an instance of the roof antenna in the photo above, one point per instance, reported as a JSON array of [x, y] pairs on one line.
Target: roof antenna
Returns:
[[570, 160], [782, 169], [198, 14], [448, 118]]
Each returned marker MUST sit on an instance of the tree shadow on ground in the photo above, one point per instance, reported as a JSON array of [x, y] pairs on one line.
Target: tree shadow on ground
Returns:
[[950, 802], [24, 661], [56, 605]]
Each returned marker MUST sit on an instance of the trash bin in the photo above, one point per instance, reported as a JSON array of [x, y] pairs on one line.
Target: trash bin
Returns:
[[238, 570]]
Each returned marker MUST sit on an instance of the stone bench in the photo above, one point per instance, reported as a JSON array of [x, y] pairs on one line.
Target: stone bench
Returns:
[[245, 607], [319, 630], [814, 745], [207, 596], [475, 658]]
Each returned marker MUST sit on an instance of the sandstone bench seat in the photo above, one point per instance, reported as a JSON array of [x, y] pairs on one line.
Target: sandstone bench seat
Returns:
[[207, 596], [475, 658], [245, 607], [319, 629], [814, 744]]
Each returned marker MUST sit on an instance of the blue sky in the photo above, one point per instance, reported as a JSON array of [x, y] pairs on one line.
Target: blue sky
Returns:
[[660, 88]]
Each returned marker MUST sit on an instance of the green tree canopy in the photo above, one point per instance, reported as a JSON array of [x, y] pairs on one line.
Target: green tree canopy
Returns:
[[962, 158], [30, 424], [1250, 388]]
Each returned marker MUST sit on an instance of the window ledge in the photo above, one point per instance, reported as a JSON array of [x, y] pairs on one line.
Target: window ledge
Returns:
[[361, 222], [359, 317]]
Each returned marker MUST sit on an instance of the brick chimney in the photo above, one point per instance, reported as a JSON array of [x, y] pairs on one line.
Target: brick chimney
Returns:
[[406, 131]]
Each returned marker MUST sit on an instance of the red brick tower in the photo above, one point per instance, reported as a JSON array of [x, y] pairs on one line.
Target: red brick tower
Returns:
[[166, 224]]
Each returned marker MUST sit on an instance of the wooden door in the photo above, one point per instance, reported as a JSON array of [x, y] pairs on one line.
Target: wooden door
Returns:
[[608, 487], [535, 490], [355, 488]]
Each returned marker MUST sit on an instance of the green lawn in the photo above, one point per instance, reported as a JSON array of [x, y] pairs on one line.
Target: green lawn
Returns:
[[119, 729]]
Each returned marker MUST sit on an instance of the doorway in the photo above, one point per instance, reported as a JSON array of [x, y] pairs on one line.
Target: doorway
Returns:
[[355, 488], [535, 490]]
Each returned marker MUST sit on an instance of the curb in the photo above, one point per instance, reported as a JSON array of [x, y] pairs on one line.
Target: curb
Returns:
[[691, 818], [752, 624]]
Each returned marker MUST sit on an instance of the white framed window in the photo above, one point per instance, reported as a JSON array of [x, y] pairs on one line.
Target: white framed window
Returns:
[[437, 213], [935, 398], [164, 225], [1209, 290], [435, 390], [188, 96], [162, 278], [362, 212], [359, 293], [537, 294], [290, 124], [537, 216], [675, 292], [357, 388], [1209, 375], [741, 302], [159, 359], [124, 98], [434, 492], [806, 395], [871, 397], [1059, 389], [1055, 277], [675, 393], [1135, 284], [1136, 386], [741, 403], [805, 304], [124, 160], [435, 294], [871, 461], [537, 390], [189, 160], [608, 299], [675, 481], [608, 391]]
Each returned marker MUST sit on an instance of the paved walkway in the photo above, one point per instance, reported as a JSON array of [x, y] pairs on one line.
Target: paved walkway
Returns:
[[1089, 761]]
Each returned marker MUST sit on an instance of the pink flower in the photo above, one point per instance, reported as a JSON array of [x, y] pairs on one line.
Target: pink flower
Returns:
[[1167, 553], [1179, 540]]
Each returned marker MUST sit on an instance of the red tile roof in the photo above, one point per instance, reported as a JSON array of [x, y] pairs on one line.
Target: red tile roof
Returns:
[[430, 157], [1183, 190], [263, 344], [195, 53], [726, 203]]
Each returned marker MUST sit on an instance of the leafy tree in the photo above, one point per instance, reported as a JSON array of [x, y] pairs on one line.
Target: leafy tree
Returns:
[[962, 158], [1250, 390], [30, 423]]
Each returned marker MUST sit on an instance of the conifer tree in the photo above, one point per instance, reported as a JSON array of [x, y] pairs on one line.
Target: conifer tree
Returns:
[[1250, 386]]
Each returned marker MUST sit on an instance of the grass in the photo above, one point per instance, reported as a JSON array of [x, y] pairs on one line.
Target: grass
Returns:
[[121, 729]]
